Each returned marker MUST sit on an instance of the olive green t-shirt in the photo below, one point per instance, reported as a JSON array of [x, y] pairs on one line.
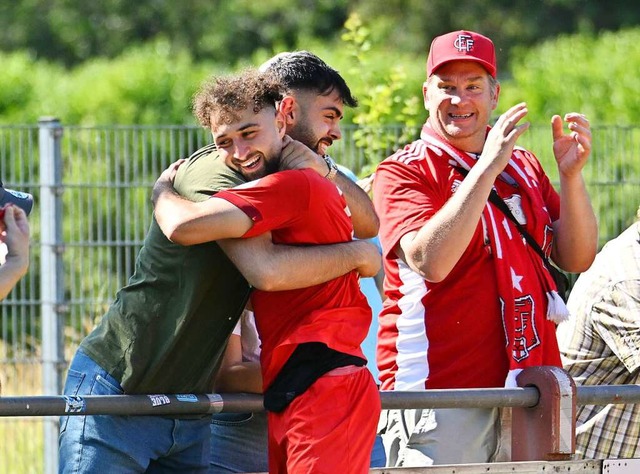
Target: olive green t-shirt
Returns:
[[167, 329]]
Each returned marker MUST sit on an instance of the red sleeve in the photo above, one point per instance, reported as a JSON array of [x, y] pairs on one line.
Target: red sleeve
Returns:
[[550, 196], [272, 202], [405, 198]]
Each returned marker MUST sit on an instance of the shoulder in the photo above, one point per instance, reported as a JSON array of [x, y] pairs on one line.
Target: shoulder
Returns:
[[416, 162], [411, 155], [205, 173]]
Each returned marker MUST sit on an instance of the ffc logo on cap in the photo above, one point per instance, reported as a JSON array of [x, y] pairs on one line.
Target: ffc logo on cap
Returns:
[[462, 46], [463, 43]]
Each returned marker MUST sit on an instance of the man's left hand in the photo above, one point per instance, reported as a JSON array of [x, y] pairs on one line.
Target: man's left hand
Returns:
[[572, 149]]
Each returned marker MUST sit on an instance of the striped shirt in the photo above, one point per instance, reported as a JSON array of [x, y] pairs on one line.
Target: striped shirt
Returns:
[[601, 346]]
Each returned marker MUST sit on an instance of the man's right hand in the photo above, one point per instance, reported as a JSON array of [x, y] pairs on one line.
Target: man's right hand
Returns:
[[371, 260], [296, 155], [498, 146]]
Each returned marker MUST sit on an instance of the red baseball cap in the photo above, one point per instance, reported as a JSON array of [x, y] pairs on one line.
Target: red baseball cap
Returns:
[[462, 46]]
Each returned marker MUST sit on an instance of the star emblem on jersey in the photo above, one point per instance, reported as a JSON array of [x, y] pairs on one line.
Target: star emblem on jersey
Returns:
[[516, 279]]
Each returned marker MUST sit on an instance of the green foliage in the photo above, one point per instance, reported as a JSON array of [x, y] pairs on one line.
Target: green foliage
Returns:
[[388, 95], [151, 84], [73, 31], [20, 84], [585, 73], [146, 85], [410, 25]]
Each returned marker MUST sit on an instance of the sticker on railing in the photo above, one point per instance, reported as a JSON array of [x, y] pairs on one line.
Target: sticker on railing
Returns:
[[74, 404], [159, 400], [187, 397]]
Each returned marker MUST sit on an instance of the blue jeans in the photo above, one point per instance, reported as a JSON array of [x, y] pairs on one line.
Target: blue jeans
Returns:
[[239, 444], [126, 444], [378, 455]]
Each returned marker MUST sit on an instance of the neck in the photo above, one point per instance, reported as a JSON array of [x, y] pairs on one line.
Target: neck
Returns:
[[472, 144]]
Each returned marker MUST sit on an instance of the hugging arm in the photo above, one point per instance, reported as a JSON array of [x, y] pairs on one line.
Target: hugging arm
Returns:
[[296, 155], [266, 266], [186, 222], [271, 267]]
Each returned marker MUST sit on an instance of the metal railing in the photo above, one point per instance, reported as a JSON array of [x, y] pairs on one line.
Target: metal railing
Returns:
[[91, 187]]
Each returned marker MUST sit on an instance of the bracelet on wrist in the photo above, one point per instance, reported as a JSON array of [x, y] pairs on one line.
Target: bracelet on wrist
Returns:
[[333, 168]]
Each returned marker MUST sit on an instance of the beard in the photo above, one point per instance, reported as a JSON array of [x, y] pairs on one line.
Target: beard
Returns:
[[304, 134]]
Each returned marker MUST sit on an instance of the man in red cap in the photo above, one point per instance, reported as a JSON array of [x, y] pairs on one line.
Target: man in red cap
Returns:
[[470, 302]]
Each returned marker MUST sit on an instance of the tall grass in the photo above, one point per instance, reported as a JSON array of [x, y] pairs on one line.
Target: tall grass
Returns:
[[21, 438]]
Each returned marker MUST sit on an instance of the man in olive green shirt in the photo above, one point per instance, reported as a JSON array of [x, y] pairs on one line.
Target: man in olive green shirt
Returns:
[[167, 329]]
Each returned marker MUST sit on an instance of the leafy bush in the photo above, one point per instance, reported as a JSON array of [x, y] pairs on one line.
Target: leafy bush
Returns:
[[152, 84], [390, 95], [21, 81], [585, 73]]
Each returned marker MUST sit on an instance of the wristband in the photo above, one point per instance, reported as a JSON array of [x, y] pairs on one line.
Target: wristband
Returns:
[[333, 168]]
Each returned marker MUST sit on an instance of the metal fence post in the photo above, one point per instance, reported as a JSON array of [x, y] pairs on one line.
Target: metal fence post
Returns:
[[547, 431], [51, 274]]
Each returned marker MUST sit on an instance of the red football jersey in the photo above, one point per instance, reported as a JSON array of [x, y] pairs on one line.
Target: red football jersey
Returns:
[[300, 207], [448, 334]]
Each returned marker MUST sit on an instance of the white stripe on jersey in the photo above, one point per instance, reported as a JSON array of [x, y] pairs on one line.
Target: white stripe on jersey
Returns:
[[414, 151], [412, 343]]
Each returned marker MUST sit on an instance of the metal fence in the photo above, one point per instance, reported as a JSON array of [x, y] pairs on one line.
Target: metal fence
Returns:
[[91, 188]]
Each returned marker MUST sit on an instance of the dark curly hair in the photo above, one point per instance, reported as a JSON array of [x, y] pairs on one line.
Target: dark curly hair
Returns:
[[304, 71], [223, 98]]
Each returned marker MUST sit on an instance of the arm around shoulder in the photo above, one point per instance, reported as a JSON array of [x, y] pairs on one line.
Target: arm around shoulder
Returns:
[[187, 223], [363, 215], [271, 267]]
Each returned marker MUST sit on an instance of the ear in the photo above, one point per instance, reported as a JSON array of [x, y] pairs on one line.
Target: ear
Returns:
[[281, 124], [494, 101], [287, 107], [425, 84]]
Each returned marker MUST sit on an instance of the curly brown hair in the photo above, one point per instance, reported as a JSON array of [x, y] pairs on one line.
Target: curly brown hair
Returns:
[[222, 99]]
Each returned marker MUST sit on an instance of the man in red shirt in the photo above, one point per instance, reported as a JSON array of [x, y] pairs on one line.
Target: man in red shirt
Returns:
[[321, 399], [469, 302]]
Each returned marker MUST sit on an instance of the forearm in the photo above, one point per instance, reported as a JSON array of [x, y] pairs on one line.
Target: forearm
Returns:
[[10, 273], [271, 267], [576, 231], [363, 215], [437, 246], [188, 223], [242, 377]]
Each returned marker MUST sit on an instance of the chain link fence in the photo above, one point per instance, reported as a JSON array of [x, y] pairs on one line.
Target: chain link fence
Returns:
[[91, 187]]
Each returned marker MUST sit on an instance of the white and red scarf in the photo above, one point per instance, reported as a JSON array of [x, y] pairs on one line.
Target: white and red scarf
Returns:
[[523, 280]]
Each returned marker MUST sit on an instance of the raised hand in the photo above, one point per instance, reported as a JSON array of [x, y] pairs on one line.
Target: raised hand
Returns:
[[572, 149], [15, 234], [500, 141]]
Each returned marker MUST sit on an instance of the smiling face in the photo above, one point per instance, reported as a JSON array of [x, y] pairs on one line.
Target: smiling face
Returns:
[[251, 144], [314, 119], [460, 97]]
